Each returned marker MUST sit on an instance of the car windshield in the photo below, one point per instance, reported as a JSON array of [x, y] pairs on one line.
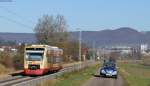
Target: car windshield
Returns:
[[34, 56], [109, 64]]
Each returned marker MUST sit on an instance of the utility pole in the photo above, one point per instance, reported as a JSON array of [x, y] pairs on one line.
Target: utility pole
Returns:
[[80, 43], [93, 50]]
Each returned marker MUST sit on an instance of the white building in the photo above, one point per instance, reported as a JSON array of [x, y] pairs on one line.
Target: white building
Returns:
[[1, 49], [122, 49], [144, 47]]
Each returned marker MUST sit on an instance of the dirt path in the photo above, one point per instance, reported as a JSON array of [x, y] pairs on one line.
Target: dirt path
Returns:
[[101, 81]]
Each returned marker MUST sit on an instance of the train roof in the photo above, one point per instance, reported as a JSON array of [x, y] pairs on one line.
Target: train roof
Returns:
[[43, 46]]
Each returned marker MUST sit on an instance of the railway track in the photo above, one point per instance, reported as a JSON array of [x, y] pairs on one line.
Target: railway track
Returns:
[[14, 80], [20, 80]]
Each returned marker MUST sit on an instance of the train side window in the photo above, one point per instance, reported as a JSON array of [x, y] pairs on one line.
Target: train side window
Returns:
[[57, 59], [48, 57], [52, 59]]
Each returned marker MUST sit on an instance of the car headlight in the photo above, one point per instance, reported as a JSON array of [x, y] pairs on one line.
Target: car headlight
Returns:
[[114, 73], [103, 71]]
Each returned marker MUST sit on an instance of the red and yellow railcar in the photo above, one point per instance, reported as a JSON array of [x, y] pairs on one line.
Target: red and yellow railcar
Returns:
[[41, 59]]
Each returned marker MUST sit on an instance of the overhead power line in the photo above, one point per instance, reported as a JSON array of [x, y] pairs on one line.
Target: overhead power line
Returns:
[[15, 14], [16, 22]]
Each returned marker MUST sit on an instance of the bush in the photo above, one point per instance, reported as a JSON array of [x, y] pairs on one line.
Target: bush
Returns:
[[6, 59], [13, 60], [18, 59]]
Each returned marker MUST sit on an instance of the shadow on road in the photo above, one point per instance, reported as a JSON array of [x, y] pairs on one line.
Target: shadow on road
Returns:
[[96, 75]]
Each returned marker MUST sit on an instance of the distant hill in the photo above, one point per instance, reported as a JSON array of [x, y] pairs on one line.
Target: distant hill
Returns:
[[18, 37], [120, 36]]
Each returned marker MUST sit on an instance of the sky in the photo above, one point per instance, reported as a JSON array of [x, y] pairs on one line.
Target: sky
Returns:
[[21, 16]]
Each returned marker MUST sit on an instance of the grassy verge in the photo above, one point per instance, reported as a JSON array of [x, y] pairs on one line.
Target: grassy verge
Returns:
[[136, 74], [72, 79], [4, 70]]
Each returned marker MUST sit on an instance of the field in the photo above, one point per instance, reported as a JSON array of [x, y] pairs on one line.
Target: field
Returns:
[[135, 74], [72, 79]]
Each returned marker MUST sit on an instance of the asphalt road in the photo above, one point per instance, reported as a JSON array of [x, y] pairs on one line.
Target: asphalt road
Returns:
[[96, 80]]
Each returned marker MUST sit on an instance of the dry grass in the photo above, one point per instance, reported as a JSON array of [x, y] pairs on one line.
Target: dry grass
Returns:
[[51, 82], [4, 70], [136, 74]]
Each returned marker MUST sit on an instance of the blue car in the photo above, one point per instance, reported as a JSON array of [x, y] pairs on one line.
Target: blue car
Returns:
[[109, 69]]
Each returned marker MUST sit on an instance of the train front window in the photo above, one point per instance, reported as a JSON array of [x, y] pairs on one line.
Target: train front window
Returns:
[[34, 56]]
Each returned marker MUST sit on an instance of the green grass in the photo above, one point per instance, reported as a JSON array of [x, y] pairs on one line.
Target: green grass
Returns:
[[74, 78], [135, 74]]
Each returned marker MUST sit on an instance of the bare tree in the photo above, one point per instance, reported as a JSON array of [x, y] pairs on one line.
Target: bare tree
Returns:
[[61, 28], [51, 30]]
